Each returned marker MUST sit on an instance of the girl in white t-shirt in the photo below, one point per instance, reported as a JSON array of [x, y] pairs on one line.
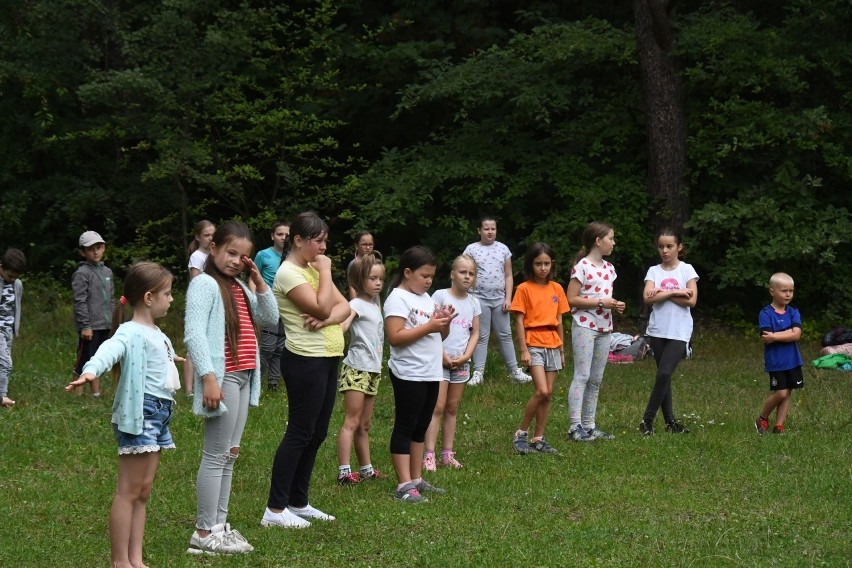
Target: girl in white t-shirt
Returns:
[[458, 349], [362, 368], [590, 296], [199, 248], [415, 327], [671, 289]]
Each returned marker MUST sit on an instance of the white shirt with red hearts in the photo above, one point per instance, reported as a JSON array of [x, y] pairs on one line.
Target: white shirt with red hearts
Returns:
[[595, 282]]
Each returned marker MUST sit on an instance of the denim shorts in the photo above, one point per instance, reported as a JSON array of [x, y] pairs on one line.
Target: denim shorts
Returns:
[[456, 376], [548, 357], [155, 436]]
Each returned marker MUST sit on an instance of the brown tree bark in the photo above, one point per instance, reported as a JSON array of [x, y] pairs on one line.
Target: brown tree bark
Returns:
[[664, 111]]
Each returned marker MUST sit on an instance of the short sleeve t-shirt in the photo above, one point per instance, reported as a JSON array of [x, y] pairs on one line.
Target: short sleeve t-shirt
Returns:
[[328, 341], [490, 269], [246, 356], [542, 306], [367, 337], [668, 319], [780, 356], [466, 310], [197, 260], [268, 260], [421, 360], [595, 282]]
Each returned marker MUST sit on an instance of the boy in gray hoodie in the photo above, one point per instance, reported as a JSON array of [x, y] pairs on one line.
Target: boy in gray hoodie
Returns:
[[92, 284]]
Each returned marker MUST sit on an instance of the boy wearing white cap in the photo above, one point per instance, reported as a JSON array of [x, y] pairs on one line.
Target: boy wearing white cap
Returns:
[[92, 284]]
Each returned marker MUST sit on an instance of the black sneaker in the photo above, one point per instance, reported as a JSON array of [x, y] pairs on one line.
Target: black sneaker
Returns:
[[521, 443], [543, 447], [647, 428], [676, 427], [272, 387]]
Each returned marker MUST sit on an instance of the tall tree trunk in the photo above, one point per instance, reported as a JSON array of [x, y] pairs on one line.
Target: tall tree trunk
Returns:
[[664, 111]]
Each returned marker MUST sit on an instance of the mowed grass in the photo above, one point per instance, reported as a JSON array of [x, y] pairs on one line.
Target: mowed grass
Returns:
[[719, 496]]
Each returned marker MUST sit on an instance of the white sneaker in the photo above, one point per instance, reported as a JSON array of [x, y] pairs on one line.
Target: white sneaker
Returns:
[[476, 379], [519, 377], [239, 540], [217, 542], [284, 519], [309, 513]]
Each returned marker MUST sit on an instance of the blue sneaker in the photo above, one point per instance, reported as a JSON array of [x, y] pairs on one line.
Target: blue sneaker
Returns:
[[579, 434]]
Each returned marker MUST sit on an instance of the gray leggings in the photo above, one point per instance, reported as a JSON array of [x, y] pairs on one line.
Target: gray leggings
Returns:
[[217, 462], [591, 349], [493, 316]]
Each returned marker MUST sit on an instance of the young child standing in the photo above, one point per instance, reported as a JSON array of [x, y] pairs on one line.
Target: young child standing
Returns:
[[538, 307], [590, 296], [93, 288], [415, 327], [458, 350], [780, 330], [13, 263], [143, 402], [272, 338], [361, 371], [199, 248], [671, 289], [493, 289], [312, 309], [364, 243], [222, 315]]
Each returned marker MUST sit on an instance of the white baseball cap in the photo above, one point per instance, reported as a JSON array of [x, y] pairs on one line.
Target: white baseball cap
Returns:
[[90, 238]]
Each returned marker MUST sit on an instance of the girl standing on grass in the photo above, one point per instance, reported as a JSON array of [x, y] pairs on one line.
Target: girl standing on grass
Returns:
[[199, 248], [415, 327], [590, 297], [538, 306], [671, 289], [458, 349], [222, 319], [143, 402], [362, 368], [312, 309]]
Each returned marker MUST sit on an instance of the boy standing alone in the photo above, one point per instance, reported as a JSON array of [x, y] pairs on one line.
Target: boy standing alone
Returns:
[[780, 329], [12, 264], [92, 285]]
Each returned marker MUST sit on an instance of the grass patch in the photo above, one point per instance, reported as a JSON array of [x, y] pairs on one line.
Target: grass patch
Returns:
[[719, 496]]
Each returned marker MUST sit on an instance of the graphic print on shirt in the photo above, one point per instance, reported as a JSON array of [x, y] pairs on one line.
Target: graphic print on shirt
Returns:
[[669, 284]]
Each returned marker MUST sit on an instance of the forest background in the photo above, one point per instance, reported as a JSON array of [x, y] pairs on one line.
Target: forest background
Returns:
[[731, 119]]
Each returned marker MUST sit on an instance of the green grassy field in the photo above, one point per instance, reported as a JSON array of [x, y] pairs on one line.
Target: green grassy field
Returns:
[[719, 496]]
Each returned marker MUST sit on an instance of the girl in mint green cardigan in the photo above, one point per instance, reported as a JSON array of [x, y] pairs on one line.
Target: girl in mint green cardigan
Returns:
[[143, 402], [220, 332]]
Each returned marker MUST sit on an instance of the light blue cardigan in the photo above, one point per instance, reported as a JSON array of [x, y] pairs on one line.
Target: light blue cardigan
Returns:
[[204, 335], [128, 346]]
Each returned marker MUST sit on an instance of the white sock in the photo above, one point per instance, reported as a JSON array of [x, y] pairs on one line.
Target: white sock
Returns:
[[344, 470]]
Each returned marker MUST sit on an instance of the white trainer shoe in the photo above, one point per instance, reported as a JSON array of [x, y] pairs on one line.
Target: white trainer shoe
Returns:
[[310, 513], [284, 519], [519, 377], [475, 379]]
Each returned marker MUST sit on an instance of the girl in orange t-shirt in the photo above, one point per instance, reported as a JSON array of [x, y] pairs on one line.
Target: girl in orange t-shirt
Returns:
[[538, 306]]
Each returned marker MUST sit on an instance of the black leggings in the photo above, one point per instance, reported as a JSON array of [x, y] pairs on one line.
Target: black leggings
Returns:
[[667, 354], [415, 402], [311, 389]]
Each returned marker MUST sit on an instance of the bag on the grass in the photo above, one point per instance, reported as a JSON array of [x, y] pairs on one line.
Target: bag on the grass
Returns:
[[837, 336]]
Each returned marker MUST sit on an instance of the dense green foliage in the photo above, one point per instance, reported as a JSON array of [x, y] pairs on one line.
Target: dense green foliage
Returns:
[[137, 118]]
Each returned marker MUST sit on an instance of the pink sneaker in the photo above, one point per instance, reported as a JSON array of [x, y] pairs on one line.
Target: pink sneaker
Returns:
[[449, 460], [429, 462]]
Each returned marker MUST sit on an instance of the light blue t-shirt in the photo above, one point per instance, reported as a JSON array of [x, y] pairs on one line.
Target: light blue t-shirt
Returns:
[[268, 260]]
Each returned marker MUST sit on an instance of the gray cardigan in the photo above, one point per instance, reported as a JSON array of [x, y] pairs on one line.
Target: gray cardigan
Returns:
[[204, 335]]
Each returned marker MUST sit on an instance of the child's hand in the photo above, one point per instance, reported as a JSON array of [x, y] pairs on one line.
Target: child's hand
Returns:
[[618, 306], [312, 323], [254, 273], [213, 394], [321, 263], [767, 337], [87, 334], [80, 381], [526, 358], [447, 362]]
